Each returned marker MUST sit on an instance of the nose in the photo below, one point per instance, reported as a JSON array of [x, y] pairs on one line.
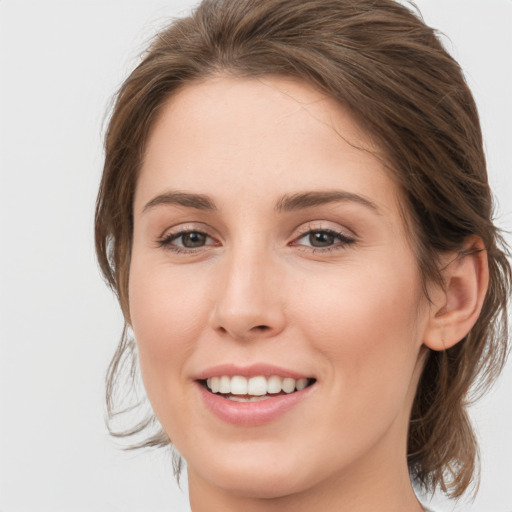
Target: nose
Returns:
[[248, 303]]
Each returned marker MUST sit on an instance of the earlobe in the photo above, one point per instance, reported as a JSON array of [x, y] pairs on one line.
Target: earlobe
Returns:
[[457, 305]]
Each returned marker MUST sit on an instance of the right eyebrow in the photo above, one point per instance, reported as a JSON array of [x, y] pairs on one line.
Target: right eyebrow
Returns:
[[197, 201]]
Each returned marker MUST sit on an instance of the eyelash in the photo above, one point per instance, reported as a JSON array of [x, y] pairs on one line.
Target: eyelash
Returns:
[[167, 241], [342, 241]]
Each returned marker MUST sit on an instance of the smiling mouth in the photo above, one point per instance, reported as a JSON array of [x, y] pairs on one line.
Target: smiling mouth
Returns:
[[254, 389]]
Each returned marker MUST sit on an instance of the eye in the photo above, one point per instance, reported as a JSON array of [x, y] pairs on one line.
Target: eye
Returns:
[[186, 241], [321, 238], [327, 239], [191, 240]]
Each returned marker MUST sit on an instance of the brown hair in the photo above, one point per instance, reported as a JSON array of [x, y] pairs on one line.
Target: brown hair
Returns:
[[378, 58]]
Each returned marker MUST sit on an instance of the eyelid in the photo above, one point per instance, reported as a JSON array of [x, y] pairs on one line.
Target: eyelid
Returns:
[[325, 226], [345, 237], [186, 227], [165, 240]]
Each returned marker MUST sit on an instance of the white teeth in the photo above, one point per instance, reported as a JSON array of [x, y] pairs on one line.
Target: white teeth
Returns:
[[274, 384], [225, 384], [214, 384], [250, 399], [301, 384], [288, 385], [258, 386], [238, 385]]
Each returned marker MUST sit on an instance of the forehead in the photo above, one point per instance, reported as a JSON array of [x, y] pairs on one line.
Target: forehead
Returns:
[[259, 136]]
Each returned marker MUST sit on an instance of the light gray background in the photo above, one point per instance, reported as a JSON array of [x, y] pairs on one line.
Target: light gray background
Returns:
[[60, 64]]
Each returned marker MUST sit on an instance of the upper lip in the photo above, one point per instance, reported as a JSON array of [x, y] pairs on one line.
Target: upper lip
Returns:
[[252, 370]]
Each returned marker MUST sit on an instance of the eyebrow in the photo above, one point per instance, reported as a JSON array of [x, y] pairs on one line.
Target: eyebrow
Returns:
[[287, 203], [197, 201], [310, 199]]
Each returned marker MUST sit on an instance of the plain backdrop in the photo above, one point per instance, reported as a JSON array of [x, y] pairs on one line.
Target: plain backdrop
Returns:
[[60, 64]]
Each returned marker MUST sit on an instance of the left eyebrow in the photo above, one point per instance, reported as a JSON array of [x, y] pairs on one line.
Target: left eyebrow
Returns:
[[304, 200]]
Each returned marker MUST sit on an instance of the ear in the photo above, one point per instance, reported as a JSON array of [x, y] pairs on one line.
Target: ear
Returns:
[[457, 305]]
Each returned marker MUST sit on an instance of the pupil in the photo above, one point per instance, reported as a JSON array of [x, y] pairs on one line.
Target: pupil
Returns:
[[192, 240], [321, 239]]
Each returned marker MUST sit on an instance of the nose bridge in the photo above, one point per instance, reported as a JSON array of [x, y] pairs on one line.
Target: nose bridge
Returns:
[[247, 302]]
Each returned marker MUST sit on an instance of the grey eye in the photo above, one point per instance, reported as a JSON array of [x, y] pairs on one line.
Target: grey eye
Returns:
[[321, 238], [192, 239], [326, 239]]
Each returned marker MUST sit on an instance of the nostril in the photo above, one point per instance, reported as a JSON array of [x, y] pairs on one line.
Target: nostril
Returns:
[[262, 327]]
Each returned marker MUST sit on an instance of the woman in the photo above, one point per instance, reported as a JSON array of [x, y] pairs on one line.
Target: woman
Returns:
[[295, 215]]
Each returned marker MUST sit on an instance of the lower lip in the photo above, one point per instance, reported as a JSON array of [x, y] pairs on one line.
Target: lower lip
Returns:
[[251, 414]]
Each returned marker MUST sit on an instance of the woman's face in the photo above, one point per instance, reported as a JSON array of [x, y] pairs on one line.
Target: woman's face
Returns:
[[269, 252]]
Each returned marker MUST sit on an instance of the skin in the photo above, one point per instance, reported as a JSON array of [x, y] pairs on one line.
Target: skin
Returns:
[[351, 314]]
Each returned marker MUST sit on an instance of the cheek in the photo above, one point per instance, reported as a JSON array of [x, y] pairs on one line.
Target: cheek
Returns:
[[365, 322], [168, 312], [364, 325]]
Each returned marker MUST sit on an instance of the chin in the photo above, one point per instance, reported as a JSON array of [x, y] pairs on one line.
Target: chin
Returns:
[[263, 479], [261, 487]]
